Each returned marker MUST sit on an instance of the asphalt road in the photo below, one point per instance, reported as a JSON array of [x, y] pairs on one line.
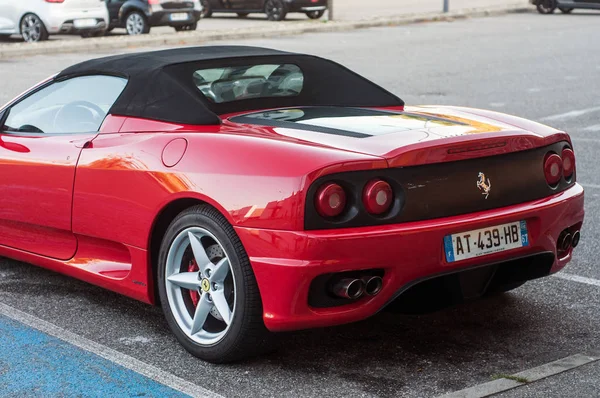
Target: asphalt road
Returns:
[[541, 67]]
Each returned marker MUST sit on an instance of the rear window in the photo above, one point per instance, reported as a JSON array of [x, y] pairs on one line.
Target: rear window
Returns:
[[234, 83]]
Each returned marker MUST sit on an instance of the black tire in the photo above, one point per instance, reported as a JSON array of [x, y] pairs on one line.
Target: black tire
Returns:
[[546, 6], [206, 9], [276, 10], [33, 29], [247, 335], [136, 24], [315, 14], [184, 28], [565, 10], [243, 14]]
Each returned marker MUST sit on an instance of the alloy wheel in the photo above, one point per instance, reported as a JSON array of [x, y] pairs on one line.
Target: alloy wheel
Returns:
[[135, 24], [275, 10], [546, 6], [31, 28], [200, 286]]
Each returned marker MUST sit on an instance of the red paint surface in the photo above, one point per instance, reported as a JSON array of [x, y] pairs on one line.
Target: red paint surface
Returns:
[[285, 262], [93, 218], [174, 151], [36, 181]]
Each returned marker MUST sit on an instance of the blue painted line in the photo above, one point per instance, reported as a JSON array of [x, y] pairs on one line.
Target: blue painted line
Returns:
[[35, 364]]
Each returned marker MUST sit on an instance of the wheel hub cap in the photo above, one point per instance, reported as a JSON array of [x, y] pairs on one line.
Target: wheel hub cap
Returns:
[[205, 285]]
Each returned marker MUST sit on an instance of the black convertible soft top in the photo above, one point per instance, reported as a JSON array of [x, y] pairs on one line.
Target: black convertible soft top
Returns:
[[161, 85]]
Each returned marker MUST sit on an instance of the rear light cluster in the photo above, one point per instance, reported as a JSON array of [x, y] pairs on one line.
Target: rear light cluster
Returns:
[[558, 166], [331, 198], [55, 1]]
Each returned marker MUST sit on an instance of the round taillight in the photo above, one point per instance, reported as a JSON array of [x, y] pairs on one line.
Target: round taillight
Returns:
[[553, 168], [378, 197], [330, 200], [568, 162]]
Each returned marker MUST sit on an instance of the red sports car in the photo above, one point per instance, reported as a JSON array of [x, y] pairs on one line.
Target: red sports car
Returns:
[[250, 191]]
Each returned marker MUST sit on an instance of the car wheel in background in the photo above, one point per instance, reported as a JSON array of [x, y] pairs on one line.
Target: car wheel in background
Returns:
[[207, 288], [275, 10], [182, 28], [243, 14], [315, 14], [206, 9], [546, 6], [565, 10], [33, 29], [136, 24]]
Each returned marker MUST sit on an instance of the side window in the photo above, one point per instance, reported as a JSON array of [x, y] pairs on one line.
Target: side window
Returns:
[[77, 105]]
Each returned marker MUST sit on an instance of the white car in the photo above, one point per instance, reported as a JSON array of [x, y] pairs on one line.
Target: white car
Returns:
[[35, 20]]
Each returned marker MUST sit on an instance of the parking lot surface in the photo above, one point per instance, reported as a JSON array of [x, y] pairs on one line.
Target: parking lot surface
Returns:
[[540, 67]]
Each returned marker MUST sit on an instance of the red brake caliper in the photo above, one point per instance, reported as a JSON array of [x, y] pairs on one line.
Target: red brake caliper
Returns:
[[194, 295]]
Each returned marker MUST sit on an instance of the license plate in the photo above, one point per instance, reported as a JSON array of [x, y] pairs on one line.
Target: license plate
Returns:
[[481, 242], [84, 23], [179, 16]]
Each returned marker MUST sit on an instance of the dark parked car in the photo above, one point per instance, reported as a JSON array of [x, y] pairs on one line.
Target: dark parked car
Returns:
[[137, 16], [276, 10], [566, 6]]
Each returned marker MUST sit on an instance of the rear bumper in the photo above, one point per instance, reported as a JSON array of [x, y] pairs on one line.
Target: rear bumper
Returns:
[[286, 262], [162, 18], [307, 5], [69, 27], [60, 20]]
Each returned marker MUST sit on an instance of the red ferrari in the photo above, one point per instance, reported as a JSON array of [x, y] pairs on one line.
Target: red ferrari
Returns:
[[251, 191]]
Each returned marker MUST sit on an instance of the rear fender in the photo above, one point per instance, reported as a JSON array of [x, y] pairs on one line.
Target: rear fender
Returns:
[[133, 5]]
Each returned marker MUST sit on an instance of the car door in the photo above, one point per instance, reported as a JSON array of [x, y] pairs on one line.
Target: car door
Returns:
[[41, 138], [8, 22], [113, 9]]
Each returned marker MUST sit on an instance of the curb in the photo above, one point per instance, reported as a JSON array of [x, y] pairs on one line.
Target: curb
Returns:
[[201, 37]]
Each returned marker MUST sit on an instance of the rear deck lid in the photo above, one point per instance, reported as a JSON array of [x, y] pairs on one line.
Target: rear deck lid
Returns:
[[387, 133]]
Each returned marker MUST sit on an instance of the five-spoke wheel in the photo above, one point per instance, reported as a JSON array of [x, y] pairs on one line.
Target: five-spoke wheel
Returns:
[[200, 285], [276, 10], [207, 288]]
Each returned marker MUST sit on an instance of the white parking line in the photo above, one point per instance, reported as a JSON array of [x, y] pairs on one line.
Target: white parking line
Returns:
[[595, 127], [119, 358], [570, 114], [577, 278], [527, 376]]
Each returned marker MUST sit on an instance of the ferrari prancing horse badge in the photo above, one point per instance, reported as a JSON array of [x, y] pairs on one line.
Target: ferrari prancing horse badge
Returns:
[[484, 185]]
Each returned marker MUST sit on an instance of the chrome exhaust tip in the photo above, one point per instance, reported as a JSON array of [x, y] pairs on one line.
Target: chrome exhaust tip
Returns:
[[575, 239], [564, 241], [373, 284], [349, 288]]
